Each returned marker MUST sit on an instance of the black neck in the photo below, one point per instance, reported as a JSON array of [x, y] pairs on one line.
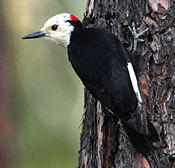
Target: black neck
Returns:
[[75, 24]]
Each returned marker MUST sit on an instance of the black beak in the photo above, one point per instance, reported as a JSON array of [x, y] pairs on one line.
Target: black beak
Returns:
[[38, 34]]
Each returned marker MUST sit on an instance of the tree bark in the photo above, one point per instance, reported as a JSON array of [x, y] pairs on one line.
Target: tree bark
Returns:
[[105, 143]]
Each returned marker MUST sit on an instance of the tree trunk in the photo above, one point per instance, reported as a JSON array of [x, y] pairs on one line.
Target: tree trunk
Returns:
[[5, 116], [105, 143]]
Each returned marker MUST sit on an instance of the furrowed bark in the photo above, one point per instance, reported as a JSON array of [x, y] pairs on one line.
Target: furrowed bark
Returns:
[[105, 143]]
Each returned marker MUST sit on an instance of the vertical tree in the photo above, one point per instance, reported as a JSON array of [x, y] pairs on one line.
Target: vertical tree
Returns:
[[5, 119], [105, 143]]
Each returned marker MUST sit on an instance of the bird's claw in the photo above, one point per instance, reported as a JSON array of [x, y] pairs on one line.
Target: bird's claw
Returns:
[[136, 35]]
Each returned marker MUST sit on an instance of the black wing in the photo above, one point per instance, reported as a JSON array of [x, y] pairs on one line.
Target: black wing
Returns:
[[103, 70]]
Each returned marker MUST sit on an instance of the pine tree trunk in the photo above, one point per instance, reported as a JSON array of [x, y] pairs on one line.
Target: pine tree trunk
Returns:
[[105, 143]]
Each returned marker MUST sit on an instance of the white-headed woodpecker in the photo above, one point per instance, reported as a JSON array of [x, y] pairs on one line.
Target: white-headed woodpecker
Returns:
[[106, 69]]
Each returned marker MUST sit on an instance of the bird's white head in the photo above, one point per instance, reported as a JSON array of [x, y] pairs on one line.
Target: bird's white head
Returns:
[[57, 29]]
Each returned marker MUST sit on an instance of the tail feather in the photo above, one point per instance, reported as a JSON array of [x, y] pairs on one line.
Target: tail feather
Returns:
[[153, 136], [143, 144]]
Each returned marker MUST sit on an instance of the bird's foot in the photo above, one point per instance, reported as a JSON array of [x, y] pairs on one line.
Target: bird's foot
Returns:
[[137, 34]]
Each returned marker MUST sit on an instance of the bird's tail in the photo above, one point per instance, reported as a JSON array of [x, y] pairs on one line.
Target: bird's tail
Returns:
[[143, 144]]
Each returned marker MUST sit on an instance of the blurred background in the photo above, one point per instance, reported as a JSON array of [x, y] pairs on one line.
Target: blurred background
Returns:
[[41, 98]]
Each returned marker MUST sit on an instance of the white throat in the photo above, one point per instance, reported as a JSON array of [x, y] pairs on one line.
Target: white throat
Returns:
[[61, 36]]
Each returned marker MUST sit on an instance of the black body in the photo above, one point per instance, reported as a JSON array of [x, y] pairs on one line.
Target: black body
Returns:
[[102, 67], [100, 60]]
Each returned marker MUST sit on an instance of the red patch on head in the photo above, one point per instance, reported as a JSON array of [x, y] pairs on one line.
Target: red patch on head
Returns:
[[74, 18]]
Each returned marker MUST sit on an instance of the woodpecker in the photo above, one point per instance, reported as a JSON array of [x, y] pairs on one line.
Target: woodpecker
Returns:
[[106, 69]]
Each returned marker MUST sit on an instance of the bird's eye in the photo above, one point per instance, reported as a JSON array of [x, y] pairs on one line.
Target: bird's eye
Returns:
[[54, 27]]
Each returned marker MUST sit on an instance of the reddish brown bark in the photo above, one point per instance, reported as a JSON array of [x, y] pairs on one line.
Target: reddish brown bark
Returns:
[[105, 143]]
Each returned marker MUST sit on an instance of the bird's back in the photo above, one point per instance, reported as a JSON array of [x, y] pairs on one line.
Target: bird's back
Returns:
[[100, 61]]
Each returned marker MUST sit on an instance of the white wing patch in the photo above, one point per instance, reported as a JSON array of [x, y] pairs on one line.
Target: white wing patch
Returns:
[[134, 82]]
